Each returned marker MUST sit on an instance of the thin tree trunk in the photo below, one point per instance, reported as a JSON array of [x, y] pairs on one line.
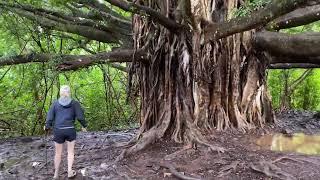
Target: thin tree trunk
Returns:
[[285, 97]]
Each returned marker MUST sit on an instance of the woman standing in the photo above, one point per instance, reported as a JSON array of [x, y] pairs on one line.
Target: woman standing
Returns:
[[61, 117]]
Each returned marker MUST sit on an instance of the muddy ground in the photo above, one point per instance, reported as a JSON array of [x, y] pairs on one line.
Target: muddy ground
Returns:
[[25, 158]]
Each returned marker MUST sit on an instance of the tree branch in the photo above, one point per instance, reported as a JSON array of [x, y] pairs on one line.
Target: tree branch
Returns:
[[74, 62], [259, 18], [299, 17], [293, 66], [4, 74], [85, 31], [280, 44], [101, 7], [66, 23], [7, 125], [102, 12], [141, 10], [114, 65], [295, 83], [297, 59], [118, 66]]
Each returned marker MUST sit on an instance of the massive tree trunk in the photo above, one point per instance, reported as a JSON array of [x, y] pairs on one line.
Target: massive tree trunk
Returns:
[[188, 87]]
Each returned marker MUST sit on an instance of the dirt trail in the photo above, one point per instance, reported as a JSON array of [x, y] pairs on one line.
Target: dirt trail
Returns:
[[24, 158]]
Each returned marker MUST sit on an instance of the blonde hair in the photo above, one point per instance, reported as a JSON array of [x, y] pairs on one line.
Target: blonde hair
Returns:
[[65, 91]]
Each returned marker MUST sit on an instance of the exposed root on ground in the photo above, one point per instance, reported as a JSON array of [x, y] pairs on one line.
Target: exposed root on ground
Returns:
[[125, 176], [147, 138], [310, 160], [192, 136], [271, 170], [299, 160], [189, 134], [179, 152], [177, 174], [227, 169], [127, 144], [286, 158], [211, 147]]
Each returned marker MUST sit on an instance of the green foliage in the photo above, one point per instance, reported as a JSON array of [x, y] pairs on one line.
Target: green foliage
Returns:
[[249, 6], [27, 91], [275, 87], [305, 96], [313, 27]]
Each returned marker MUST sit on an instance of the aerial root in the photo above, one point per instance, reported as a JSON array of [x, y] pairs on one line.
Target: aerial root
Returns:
[[271, 170], [177, 174]]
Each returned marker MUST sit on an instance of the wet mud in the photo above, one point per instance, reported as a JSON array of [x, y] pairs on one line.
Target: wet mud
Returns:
[[247, 155]]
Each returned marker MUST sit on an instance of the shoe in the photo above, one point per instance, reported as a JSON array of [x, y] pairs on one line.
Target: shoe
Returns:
[[72, 174]]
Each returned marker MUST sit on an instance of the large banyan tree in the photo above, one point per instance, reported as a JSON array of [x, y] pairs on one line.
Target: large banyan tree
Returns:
[[197, 65]]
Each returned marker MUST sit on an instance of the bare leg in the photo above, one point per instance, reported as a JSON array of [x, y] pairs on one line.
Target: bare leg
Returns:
[[57, 159], [70, 155]]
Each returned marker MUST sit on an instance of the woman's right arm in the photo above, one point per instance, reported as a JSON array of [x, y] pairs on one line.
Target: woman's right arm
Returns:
[[80, 114]]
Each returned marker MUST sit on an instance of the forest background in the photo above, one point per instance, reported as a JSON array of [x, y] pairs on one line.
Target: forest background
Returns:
[[27, 90]]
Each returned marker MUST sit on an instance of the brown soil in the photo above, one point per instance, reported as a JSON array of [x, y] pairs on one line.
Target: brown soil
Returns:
[[242, 158]]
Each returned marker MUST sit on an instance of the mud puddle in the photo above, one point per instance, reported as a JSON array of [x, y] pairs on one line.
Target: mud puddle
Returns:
[[297, 142]]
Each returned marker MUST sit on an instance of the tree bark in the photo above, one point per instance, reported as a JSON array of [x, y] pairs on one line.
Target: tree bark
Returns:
[[293, 60], [281, 44], [188, 88], [293, 66], [273, 10], [299, 17], [74, 62]]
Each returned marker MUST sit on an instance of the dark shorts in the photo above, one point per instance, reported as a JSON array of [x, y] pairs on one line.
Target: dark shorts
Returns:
[[62, 135]]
